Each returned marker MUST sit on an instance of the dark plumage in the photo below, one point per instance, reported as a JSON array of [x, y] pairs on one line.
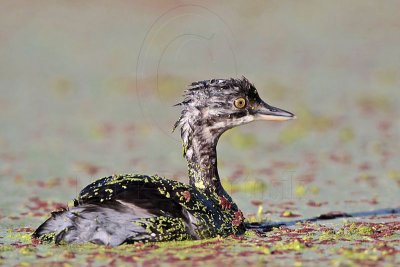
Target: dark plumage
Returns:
[[130, 208]]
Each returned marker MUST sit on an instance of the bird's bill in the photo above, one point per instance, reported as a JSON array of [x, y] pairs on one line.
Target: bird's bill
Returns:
[[270, 113]]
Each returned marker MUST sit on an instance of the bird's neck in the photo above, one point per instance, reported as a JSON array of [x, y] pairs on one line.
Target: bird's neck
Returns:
[[200, 151]]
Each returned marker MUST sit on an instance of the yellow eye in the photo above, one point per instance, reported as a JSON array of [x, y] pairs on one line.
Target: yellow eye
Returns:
[[240, 103]]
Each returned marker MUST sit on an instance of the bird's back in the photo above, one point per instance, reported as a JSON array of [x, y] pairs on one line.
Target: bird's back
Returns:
[[129, 208]]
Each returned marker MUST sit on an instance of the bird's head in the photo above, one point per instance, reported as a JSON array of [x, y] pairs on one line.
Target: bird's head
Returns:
[[220, 104]]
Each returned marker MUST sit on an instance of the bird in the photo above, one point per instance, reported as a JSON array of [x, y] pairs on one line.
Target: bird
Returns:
[[129, 208]]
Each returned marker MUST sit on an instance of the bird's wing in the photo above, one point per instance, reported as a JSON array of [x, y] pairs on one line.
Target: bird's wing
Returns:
[[155, 198], [152, 193]]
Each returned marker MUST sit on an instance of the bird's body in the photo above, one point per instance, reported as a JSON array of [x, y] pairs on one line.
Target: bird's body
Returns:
[[129, 208], [133, 207]]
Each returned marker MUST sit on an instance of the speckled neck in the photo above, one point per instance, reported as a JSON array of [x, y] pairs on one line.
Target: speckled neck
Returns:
[[200, 151]]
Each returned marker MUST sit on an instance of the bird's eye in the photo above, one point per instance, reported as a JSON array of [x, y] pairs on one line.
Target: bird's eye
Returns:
[[240, 103]]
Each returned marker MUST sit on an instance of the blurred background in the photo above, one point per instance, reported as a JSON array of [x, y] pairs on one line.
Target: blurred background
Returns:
[[87, 89]]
